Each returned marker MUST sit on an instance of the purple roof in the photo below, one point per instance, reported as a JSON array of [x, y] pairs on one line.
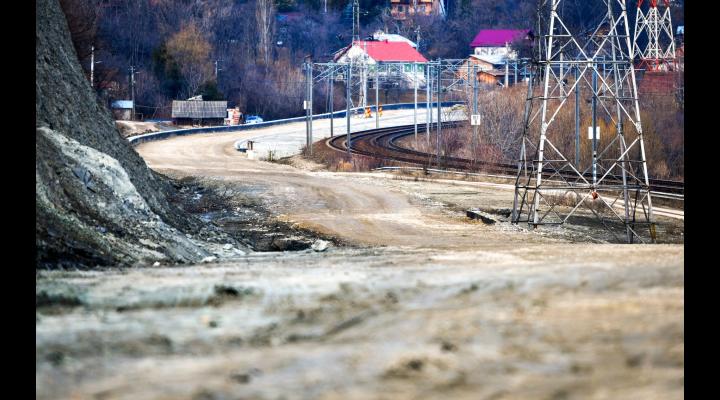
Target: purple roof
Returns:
[[497, 37]]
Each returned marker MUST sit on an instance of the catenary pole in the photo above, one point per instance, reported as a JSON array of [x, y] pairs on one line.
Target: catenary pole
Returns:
[[348, 73], [331, 80], [377, 96]]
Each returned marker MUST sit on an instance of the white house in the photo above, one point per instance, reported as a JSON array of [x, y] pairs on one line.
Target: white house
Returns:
[[496, 44], [400, 54]]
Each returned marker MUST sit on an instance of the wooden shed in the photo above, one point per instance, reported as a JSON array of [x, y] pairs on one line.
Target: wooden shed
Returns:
[[492, 77], [191, 112]]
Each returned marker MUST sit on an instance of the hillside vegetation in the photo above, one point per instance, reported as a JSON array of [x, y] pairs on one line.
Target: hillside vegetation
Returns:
[[258, 46]]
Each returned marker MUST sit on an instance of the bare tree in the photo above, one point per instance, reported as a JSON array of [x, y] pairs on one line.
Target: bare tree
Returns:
[[264, 17], [191, 51]]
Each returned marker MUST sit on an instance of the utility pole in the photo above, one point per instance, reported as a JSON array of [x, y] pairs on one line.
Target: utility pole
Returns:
[[310, 106], [132, 90], [92, 66], [417, 38], [217, 69]]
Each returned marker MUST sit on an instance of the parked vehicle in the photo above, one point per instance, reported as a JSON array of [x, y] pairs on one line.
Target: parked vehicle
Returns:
[[253, 119]]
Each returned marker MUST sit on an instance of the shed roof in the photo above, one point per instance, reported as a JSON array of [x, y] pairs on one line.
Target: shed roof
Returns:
[[199, 109], [124, 104], [497, 37], [495, 59]]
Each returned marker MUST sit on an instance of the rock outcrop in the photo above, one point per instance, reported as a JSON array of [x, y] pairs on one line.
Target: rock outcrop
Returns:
[[97, 202]]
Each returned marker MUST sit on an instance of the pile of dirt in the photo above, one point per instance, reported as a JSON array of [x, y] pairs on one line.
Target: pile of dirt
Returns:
[[97, 202], [245, 218], [134, 128]]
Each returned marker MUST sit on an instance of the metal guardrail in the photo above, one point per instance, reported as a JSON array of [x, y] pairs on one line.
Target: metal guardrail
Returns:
[[134, 140]]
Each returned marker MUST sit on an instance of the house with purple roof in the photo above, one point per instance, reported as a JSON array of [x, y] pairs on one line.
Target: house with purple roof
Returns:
[[495, 45]]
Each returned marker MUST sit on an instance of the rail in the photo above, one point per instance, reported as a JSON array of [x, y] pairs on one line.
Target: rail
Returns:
[[382, 143]]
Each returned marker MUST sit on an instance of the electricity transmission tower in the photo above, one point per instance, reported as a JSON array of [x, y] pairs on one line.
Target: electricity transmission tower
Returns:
[[611, 182], [655, 28]]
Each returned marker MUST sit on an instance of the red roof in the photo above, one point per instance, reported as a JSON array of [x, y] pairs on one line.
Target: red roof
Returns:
[[390, 51], [497, 37]]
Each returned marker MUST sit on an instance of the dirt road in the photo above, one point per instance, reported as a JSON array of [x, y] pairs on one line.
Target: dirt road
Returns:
[[355, 209]]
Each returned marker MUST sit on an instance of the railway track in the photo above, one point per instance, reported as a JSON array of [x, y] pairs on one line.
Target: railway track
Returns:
[[383, 143]]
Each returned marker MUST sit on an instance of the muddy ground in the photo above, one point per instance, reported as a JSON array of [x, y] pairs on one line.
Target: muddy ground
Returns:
[[410, 300]]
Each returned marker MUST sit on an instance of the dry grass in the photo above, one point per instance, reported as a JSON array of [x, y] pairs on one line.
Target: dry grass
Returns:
[[342, 162], [569, 198]]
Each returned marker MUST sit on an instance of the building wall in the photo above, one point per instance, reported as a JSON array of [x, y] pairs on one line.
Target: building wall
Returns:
[[479, 65], [496, 51], [401, 9], [122, 114], [203, 122], [356, 54], [488, 79]]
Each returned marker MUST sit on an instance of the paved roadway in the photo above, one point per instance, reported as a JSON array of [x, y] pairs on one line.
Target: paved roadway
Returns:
[[289, 139]]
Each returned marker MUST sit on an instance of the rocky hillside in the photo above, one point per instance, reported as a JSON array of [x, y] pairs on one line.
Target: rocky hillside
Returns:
[[97, 203]]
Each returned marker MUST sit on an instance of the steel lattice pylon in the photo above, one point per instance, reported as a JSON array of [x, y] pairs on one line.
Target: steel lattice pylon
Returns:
[[655, 27], [613, 183]]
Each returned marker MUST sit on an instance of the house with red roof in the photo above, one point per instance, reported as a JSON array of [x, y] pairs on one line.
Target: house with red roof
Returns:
[[373, 52], [402, 9], [494, 45]]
